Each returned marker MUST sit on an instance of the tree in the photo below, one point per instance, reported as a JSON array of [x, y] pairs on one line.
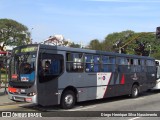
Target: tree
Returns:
[[129, 42], [114, 41], [75, 45], [95, 45], [13, 33]]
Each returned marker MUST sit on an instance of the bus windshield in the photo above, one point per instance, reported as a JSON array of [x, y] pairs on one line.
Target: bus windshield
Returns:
[[22, 67]]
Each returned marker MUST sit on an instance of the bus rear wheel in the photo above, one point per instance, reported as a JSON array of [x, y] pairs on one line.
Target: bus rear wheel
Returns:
[[134, 91], [68, 99]]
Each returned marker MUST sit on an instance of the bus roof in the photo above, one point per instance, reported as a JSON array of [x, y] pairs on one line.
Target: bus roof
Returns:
[[70, 49]]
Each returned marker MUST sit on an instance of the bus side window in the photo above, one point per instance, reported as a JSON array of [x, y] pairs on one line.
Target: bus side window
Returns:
[[55, 67], [96, 68], [88, 67], [132, 65], [150, 66], [96, 63], [52, 67], [74, 62], [105, 61], [108, 63], [89, 63], [112, 60], [92, 63], [157, 63], [131, 61], [128, 62]]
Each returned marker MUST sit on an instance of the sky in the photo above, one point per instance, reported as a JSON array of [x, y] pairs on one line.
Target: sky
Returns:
[[81, 21]]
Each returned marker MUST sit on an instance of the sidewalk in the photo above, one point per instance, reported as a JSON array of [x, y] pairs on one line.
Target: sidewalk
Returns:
[[4, 97]]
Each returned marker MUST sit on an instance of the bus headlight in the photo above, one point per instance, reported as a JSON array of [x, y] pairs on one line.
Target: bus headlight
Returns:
[[31, 94]]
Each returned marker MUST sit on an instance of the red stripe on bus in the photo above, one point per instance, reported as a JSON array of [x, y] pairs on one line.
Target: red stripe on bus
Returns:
[[123, 79]]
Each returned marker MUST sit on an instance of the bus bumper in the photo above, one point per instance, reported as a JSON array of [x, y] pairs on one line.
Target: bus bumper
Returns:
[[22, 98]]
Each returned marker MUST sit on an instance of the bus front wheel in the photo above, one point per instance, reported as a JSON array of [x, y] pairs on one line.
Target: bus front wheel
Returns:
[[135, 91], [68, 99]]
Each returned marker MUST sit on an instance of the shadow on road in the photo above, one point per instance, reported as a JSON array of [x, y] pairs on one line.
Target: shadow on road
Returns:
[[87, 103]]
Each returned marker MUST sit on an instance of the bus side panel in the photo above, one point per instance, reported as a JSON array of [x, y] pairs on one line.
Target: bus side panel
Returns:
[[121, 84], [88, 93], [142, 80], [47, 93], [151, 77], [90, 86], [118, 85], [124, 82], [109, 86], [97, 86], [157, 86], [86, 86]]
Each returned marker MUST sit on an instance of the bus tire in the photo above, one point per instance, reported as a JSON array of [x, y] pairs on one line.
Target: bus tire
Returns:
[[68, 99], [134, 91]]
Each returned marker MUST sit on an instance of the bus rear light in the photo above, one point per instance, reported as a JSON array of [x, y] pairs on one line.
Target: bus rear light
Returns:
[[28, 99]]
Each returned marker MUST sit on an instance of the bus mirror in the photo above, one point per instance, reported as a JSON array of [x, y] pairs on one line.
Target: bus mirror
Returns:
[[157, 63]]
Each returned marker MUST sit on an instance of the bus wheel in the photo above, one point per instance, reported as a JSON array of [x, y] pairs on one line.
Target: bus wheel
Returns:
[[68, 99], [135, 91]]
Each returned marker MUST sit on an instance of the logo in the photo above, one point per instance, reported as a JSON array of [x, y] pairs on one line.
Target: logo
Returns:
[[21, 114], [134, 77], [25, 79], [6, 114], [103, 78]]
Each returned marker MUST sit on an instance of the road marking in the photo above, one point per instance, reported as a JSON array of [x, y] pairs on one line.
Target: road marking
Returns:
[[82, 108], [134, 118], [73, 109]]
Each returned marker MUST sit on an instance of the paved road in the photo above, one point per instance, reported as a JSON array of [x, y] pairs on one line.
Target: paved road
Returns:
[[148, 101]]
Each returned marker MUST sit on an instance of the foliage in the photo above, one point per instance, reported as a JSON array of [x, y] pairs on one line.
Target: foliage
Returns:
[[95, 44], [113, 41], [13, 33], [3, 70], [129, 42], [75, 45]]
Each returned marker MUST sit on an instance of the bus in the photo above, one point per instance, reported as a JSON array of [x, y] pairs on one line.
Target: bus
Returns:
[[54, 75], [157, 86]]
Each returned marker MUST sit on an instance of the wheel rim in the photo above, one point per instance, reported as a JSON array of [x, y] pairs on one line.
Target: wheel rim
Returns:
[[135, 91], [69, 99]]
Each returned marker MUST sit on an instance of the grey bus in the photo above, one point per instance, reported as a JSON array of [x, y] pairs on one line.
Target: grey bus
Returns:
[[53, 75]]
